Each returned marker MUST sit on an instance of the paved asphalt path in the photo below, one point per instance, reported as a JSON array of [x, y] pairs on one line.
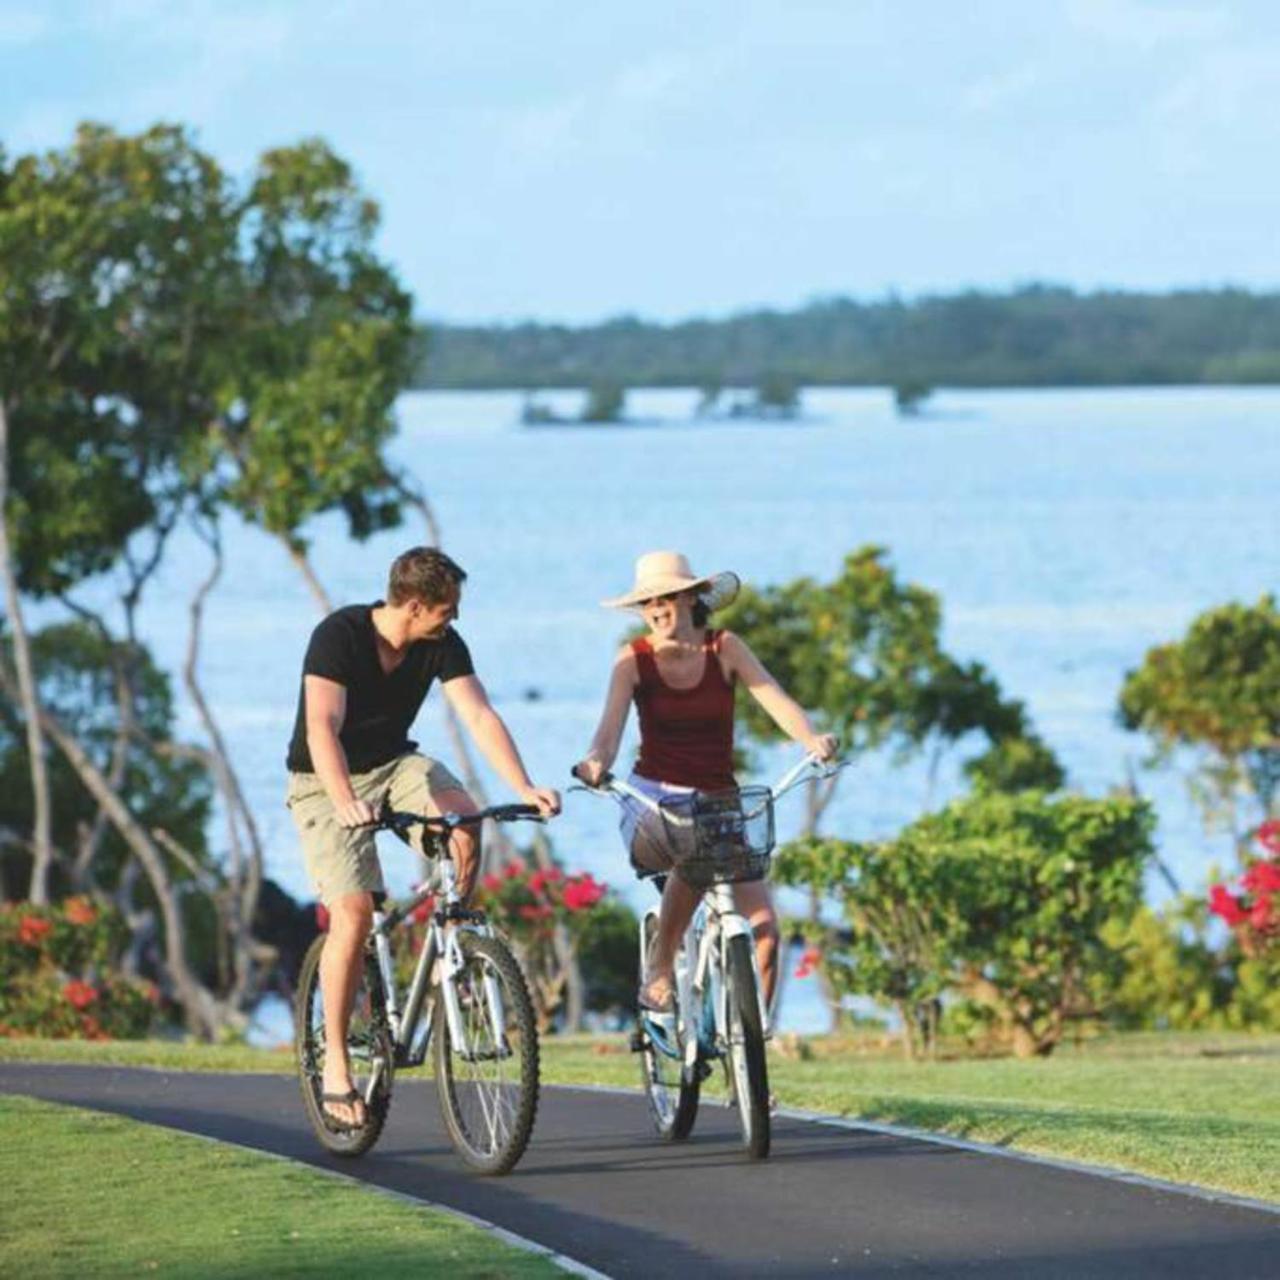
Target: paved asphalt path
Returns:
[[598, 1186]]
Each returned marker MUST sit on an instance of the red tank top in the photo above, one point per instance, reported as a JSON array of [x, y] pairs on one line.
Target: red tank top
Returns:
[[686, 735]]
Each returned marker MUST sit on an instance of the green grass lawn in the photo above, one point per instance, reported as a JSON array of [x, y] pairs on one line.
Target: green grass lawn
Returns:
[[93, 1194], [1202, 1109]]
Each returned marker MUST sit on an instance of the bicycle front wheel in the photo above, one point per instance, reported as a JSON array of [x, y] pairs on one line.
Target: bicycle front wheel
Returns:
[[488, 1078], [369, 1051], [748, 1072]]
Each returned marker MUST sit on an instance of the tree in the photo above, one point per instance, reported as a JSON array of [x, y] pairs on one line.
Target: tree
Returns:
[[863, 654], [997, 899], [606, 402], [1216, 692], [174, 347]]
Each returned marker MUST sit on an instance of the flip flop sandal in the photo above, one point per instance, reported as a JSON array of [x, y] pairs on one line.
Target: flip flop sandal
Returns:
[[336, 1123]]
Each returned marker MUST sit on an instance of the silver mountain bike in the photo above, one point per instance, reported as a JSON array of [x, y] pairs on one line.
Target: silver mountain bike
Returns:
[[715, 839], [467, 994]]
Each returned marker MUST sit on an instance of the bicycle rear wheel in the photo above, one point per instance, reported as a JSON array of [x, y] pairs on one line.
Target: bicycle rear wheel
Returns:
[[369, 1049], [488, 1080], [748, 1072], [671, 1088]]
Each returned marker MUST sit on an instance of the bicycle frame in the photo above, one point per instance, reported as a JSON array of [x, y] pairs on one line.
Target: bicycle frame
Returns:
[[410, 1027]]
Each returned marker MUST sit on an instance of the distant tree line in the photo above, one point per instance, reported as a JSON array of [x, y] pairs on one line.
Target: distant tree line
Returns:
[[1041, 335]]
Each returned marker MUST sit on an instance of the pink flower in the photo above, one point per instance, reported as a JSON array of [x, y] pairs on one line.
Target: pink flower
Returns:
[[530, 912], [422, 912], [491, 883], [514, 869], [1223, 903]]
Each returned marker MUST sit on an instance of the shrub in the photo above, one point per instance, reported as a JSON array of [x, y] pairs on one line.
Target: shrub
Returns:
[[998, 900], [58, 974]]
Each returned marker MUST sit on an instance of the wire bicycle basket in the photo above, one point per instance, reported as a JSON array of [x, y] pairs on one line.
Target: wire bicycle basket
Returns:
[[719, 837]]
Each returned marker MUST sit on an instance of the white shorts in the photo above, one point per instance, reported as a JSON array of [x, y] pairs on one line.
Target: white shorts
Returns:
[[642, 830]]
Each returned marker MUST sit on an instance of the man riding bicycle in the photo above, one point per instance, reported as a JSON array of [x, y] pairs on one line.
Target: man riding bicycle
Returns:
[[366, 673]]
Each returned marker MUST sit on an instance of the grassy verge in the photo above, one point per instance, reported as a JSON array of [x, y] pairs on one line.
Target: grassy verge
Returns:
[[92, 1194], [1200, 1109]]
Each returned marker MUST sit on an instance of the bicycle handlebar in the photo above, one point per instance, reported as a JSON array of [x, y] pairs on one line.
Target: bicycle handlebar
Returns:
[[392, 820]]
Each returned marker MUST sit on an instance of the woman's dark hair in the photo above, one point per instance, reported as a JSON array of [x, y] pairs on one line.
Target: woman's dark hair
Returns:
[[426, 574]]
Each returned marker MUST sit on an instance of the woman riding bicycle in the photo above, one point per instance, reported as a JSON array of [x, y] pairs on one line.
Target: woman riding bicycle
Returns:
[[681, 677]]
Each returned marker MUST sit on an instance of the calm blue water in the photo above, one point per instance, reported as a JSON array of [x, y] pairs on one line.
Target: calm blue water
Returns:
[[1065, 531]]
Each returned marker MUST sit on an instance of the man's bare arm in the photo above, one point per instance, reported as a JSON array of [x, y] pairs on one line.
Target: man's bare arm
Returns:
[[326, 709], [468, 698]]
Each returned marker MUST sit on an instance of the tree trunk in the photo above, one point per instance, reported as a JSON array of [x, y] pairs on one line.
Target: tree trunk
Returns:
[[246, 855], [298, 554], [28, 695]]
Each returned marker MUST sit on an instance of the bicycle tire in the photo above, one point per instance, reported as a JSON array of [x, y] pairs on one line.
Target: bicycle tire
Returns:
[[671, 1090], [368, 1039], [497, 1152], [748, 1071]]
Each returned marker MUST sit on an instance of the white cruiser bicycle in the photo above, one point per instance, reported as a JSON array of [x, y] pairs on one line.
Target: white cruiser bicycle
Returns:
[[716, 839]]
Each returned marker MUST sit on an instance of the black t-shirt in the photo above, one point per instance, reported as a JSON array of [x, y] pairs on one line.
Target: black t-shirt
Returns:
[[380, 707]]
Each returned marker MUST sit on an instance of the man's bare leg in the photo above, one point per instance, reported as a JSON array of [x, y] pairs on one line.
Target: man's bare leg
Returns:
[[350, 918], [464, 847]]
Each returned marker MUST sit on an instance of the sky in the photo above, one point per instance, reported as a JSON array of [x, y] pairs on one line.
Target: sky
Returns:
[[563, 160]]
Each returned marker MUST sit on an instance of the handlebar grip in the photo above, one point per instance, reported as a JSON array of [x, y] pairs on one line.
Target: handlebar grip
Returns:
[[605, 778]]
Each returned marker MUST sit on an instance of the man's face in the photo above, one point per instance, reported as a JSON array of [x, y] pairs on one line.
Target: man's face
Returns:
[[428, 621]]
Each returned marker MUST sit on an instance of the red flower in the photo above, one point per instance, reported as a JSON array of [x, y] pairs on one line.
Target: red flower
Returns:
[[1262, 877], [514, 869], [491, 883], [79, 994], [582, 893], [79, 911], [322, 917], [1222, 903], [92, 1028], [1269, 835], [537, 882], [31, 929], [422, 912], [530, 912], [809, 959]]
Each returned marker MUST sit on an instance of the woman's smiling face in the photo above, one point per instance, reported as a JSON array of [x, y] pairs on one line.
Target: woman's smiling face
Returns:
[[665, 615]]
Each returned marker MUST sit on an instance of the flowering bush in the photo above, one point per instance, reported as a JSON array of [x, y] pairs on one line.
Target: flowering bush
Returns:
[[1252, 911], [57, 974], [544, 912]]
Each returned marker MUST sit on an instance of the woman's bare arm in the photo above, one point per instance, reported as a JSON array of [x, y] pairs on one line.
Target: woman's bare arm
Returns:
[[779, 705], [617, 703]]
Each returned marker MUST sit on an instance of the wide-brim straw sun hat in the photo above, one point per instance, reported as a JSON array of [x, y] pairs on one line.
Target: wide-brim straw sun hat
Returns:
[[663, 573]]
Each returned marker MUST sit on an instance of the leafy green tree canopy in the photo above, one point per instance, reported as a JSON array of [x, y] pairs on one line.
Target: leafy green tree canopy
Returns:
[[1216, 690]]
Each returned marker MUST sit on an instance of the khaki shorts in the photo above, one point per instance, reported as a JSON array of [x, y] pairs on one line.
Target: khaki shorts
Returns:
[[343, 860]]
